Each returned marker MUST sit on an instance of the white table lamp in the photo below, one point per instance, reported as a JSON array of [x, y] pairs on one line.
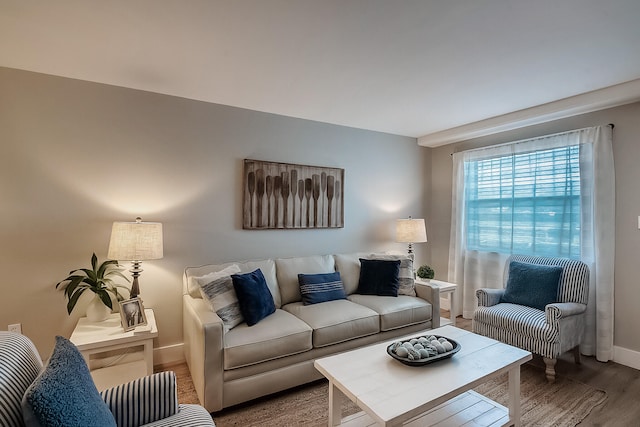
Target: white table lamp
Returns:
[[411, 230], [136, 241]]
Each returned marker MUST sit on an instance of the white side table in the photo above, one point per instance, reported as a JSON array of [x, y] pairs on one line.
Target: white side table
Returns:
[[94, 338], [445, 288]]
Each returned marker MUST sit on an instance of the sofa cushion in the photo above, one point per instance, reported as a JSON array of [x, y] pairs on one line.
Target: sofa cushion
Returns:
[[349, 267], [336, 321], [532, 285], [254, 297], [278, 335], [317, 288], [406, 283], [379, 277], [287, 270], [396, 312], [222, 298], [64, 394], [267, 266]]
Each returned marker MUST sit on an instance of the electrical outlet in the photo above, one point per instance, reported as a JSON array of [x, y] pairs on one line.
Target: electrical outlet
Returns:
[[16, 327]]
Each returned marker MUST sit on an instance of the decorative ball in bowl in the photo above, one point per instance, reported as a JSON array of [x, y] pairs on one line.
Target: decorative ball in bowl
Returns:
[[423, 350]]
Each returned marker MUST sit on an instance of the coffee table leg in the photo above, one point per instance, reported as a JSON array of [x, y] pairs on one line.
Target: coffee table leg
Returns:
[[514, 396], [335, 405]]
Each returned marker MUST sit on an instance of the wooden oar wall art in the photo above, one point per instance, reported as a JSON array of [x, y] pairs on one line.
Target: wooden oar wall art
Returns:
[[291, 196]]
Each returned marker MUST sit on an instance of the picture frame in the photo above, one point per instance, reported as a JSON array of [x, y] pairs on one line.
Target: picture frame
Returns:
[[132, 314], [288, 196]]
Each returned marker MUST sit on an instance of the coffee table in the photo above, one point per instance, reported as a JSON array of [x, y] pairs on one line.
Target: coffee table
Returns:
[[392, 394]]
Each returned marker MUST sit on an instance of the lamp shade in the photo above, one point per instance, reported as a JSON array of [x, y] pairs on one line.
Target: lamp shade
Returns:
[[411, 230], [136, 241]]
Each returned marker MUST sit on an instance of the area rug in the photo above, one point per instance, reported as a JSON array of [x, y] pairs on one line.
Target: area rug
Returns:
[[562, 404]]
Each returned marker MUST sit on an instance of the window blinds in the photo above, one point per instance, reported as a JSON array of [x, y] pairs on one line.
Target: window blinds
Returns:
[[526, 203]]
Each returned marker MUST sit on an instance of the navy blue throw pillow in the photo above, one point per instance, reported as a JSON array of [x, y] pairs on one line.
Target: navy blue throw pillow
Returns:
[[254, 297], [316, 288], [379, 277], [532, 285]]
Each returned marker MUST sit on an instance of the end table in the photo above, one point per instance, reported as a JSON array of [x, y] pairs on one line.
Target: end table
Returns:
[[450, 290], [94, 338]]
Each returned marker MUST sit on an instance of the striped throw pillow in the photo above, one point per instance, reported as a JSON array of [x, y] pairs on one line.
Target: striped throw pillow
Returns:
[[219, 292], [316, 288]]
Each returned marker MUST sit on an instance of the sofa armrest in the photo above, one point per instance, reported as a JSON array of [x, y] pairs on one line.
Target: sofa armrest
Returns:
[[144, 400], [488, 297], [560, 310], [430, 293], [203, 335]]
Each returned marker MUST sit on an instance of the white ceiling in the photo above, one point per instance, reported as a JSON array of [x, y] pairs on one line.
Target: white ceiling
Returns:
[[404, 67]]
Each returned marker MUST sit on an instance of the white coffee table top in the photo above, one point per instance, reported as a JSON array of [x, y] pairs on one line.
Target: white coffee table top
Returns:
[[391, 392]]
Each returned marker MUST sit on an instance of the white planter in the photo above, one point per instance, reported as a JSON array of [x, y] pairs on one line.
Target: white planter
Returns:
[[97, 311]]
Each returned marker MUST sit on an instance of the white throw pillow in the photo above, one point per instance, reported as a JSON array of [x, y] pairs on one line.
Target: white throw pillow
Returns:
[[217, 289]]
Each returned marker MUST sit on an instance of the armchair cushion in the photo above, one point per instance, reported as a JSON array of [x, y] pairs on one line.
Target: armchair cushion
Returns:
[[523, 321], [64, 393], [532, 285], [144, 400]]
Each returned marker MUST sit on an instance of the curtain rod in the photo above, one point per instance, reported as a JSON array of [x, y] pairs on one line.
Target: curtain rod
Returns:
[[611, 125]]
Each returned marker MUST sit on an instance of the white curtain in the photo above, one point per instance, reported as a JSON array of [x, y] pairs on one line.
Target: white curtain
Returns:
[[472, 269]]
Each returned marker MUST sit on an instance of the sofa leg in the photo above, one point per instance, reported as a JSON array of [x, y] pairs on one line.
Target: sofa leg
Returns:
[[550, 371], [576, 355]]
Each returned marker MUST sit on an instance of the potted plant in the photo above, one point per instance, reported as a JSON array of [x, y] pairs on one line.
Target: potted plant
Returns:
[[99, 280], [425, 272]]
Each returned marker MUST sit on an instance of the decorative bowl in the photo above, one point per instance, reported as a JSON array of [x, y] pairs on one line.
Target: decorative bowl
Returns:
[[426, 360]]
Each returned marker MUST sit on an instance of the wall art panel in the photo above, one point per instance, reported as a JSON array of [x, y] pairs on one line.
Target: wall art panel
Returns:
[[290, 196]]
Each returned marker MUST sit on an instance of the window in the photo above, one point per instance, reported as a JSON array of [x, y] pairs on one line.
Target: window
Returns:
[[527, 203]]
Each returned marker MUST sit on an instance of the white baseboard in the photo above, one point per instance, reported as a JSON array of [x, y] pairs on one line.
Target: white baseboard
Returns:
[[626, 357], [168, 355], [444, 304]]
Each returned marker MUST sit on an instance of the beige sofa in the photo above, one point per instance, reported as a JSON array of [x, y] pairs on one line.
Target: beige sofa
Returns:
[[278, 352]]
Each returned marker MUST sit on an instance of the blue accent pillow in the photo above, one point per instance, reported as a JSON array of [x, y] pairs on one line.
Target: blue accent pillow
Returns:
[[316, 288], [532, 285], [254, 297], [379, 277], [64, 393]]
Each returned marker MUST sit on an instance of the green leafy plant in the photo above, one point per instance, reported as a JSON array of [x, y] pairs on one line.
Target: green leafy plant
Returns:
[[425, 272], [98, 279]]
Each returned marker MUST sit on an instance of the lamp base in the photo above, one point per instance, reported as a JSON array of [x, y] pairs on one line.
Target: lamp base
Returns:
[[135, 286]]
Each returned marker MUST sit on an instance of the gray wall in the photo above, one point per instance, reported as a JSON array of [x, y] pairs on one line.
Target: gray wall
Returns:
[[76, 156], [626, 150]]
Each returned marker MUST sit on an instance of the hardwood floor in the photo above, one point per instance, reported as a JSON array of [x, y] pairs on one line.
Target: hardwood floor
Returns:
[[621, 383]]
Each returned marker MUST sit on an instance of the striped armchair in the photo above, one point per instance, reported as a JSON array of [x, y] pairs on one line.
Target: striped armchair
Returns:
[[149, 401], [549, 333]]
